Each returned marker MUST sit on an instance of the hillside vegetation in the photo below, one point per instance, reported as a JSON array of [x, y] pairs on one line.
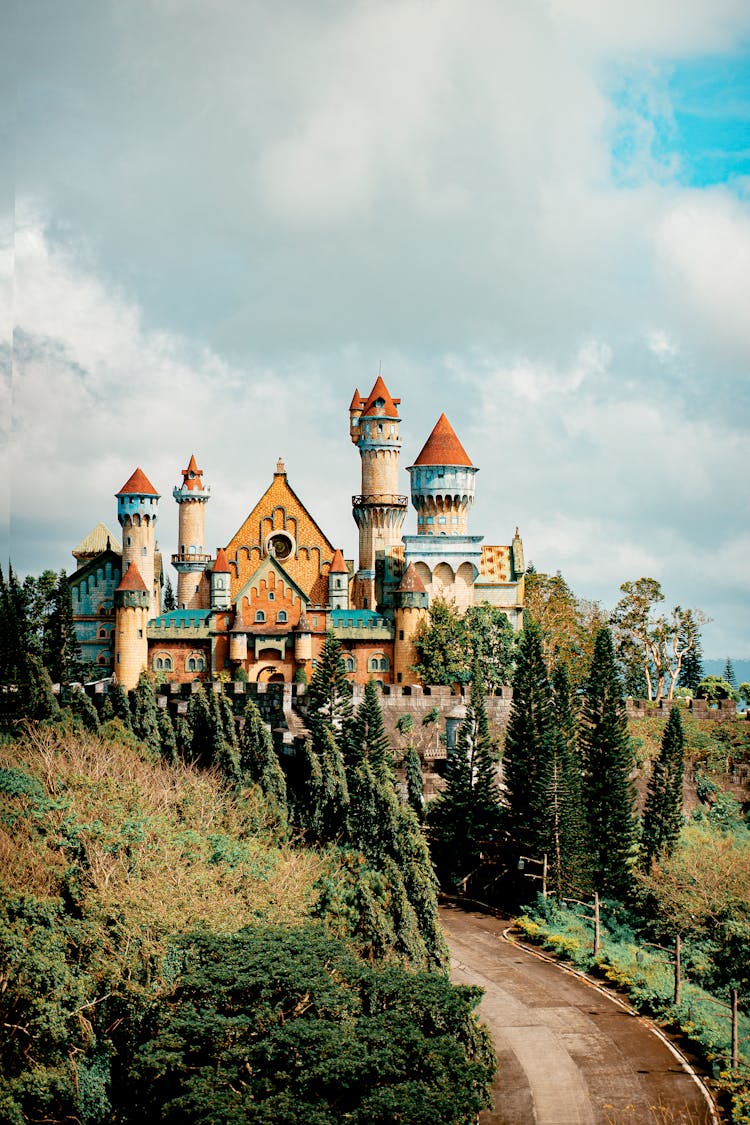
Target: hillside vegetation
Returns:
[[169, 949]]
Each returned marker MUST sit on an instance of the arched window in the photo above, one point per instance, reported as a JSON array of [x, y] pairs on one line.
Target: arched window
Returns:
[[350, 664], [159, 664], [191, 664], [167, 663], [384, 665], [379, 663], [200, 664], [374, 664], [259, 616], [281, 617], [102, 634], [102, 659]]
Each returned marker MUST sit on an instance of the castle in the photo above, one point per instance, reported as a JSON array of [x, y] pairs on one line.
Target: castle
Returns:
[[264, 603]]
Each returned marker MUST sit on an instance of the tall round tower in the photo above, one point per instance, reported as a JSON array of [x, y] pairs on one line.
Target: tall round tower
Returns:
[[192, 558], [442, 483], [131, 619], [137, 512], [379, 510]]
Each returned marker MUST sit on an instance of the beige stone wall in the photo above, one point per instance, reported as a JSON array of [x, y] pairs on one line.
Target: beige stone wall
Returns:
[[405, 654], [379, 472], [138, 539], [192, 527], [131, 645]]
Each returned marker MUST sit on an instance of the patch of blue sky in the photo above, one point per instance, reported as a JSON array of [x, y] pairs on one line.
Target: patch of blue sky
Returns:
[[688, 122]]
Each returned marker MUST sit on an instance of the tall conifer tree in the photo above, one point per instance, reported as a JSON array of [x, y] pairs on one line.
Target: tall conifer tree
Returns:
[[607, 764], [662, 814], [257, 759], [529, 741]]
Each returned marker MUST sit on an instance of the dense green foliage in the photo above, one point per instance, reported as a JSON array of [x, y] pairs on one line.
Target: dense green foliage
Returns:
[[113, 856], [450, 642], [269, 1025]]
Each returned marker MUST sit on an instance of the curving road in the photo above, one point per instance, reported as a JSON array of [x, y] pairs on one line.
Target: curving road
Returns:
[[567, 1053]]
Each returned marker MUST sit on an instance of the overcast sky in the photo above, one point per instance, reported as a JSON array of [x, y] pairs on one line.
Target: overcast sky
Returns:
[[219, 218]]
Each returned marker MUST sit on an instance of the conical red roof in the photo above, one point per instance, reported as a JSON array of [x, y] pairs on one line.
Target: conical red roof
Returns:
[[195, 482], [138, 485], [411, 583], [338, 566], [221, 566], [380, 391], [443, 447], [357, 401], [131, 580]]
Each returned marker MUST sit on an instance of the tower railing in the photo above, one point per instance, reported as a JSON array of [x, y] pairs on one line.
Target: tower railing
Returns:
[[379, 500], [191, 557]]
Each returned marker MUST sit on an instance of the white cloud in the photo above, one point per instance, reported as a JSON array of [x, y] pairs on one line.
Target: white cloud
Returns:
[[662, 346], [704, 244]]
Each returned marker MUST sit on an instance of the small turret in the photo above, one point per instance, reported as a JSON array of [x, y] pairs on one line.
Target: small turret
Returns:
[[338, 583], [137, 512], [131, 620], [302, 641], [238, 636], [411, 608], [220, 581], [518, 566]]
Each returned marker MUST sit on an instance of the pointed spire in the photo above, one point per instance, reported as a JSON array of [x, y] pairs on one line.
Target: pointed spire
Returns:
[[411, 583], [131, 580], [280, 468], [380, 395], [221, 566], [443, 447], [357, 401], [338, 566], [137, 485], [192, 476]]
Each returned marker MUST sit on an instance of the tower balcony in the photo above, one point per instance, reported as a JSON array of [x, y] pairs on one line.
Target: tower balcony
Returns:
[[380, 500], [187, 558]]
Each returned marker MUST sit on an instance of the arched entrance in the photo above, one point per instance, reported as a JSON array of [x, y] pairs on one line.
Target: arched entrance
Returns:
[[270, 674]]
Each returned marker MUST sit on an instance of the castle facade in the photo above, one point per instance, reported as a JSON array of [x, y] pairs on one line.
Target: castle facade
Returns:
[[263, 603]]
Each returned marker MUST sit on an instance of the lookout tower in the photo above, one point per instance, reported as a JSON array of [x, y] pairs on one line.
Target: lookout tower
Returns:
[[137, 512], [379, 511], [191, 559]]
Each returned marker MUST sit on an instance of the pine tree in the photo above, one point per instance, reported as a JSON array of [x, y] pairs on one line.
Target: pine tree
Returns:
[[370, 739], [529, 741], [567, 847], [330, 696], [729, 675], [467, 812], [224, 752], [61, 651], [169, 598], [662, 814], [691, 672], [257, 758], [414, 782], [607, 763]]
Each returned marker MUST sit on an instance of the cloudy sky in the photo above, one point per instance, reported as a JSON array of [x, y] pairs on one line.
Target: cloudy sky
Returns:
[[219, 218]]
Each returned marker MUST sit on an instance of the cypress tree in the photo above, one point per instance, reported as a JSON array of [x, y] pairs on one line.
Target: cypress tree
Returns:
[[224, 750], [82, 707], [167, 736], [662, 814], [145, 713], [201, 728], [169, 598], [257, 758], [414, 782], [729, 675], [120, 706], [607, 764]]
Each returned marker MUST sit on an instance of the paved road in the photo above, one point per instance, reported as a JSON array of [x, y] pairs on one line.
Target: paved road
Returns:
[[567, 1054]]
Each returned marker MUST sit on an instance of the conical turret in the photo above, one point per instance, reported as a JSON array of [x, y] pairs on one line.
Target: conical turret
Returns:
[[442, 483]]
